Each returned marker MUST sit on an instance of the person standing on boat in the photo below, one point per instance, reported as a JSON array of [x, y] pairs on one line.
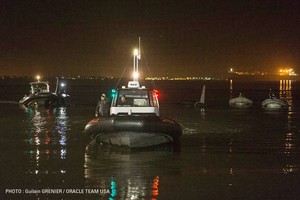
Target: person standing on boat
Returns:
[[271, 94], [102, 108]]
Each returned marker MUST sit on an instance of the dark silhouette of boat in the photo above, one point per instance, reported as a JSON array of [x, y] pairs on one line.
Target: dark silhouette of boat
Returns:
[[40, 94]]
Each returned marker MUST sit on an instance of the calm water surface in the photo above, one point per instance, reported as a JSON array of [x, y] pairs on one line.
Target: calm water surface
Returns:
[[224, 153]]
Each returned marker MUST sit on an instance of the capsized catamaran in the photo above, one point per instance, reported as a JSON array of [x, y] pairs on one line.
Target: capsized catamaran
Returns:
[[240, 102], [274, 103]]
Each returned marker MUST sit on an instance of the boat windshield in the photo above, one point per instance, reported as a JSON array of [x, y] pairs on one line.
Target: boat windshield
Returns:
[[37, 87], [134, 101], [133, 98]]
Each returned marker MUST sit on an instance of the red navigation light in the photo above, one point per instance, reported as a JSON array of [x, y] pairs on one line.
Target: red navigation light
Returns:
[[156, 93]]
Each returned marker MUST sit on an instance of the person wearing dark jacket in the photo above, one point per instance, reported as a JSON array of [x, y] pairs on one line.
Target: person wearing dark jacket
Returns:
[[102, 108]]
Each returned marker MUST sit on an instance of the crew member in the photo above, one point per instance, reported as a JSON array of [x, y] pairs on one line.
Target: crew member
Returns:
[[102, 108]]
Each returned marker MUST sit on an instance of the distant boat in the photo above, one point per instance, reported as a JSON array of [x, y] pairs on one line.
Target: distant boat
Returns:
[[40, 94], [240, 102], [201, 102], [273, 102]]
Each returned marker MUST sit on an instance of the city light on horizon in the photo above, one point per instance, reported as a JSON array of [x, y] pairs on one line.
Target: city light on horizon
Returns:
[[287, 71]]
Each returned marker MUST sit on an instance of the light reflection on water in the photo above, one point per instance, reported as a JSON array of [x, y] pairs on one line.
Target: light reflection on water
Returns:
[[129, 174], [47, 139], [47, 125]]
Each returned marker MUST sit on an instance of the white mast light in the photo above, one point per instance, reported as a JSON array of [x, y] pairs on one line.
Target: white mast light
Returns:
[[135, 75], [136, 57]]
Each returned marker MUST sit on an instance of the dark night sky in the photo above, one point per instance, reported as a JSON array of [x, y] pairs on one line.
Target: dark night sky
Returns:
[[179, 38]]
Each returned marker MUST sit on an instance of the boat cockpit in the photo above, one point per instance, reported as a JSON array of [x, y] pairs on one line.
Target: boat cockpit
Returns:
[[130, 101], [37, 87]]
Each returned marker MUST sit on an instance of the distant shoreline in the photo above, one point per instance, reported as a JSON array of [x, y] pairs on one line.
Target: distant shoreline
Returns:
[[230, 77], [262, 77]]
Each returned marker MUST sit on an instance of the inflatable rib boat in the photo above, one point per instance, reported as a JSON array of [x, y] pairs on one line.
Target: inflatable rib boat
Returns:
[[134, 119]]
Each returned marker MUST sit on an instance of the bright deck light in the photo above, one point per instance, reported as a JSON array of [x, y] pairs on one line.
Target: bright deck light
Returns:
[[135, 75], [38, 77], [62, 85]]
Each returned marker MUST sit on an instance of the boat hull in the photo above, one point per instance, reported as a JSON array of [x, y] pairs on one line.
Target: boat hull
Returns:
[[274, 103], [133, 139], [46, 99], [134, 131], [240, 102]]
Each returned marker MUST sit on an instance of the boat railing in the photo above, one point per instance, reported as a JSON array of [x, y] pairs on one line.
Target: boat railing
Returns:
[[137, 114], [134, 110]]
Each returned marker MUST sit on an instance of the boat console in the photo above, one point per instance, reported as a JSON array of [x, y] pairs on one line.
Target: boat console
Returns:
[[135, 101]]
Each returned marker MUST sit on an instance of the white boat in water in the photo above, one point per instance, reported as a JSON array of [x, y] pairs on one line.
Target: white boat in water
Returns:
[[134, 119], [40, 94], [240, 102], [274, 103]]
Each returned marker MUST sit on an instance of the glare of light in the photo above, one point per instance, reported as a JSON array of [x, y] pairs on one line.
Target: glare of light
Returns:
[[38, 77], [289, 169], [113, 187], [135, 75], [63, 153], [62, 85], [287, 71], [113, 93], [155, 186], [136, 52]]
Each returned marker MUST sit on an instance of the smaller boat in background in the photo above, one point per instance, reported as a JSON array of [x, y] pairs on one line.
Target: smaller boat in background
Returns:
[[273, 102], [240, 102], [201, 103], [40, 94]]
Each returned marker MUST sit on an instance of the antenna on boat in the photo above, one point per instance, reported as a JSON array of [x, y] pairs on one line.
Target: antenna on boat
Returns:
[[56, 88], [136, 57]]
